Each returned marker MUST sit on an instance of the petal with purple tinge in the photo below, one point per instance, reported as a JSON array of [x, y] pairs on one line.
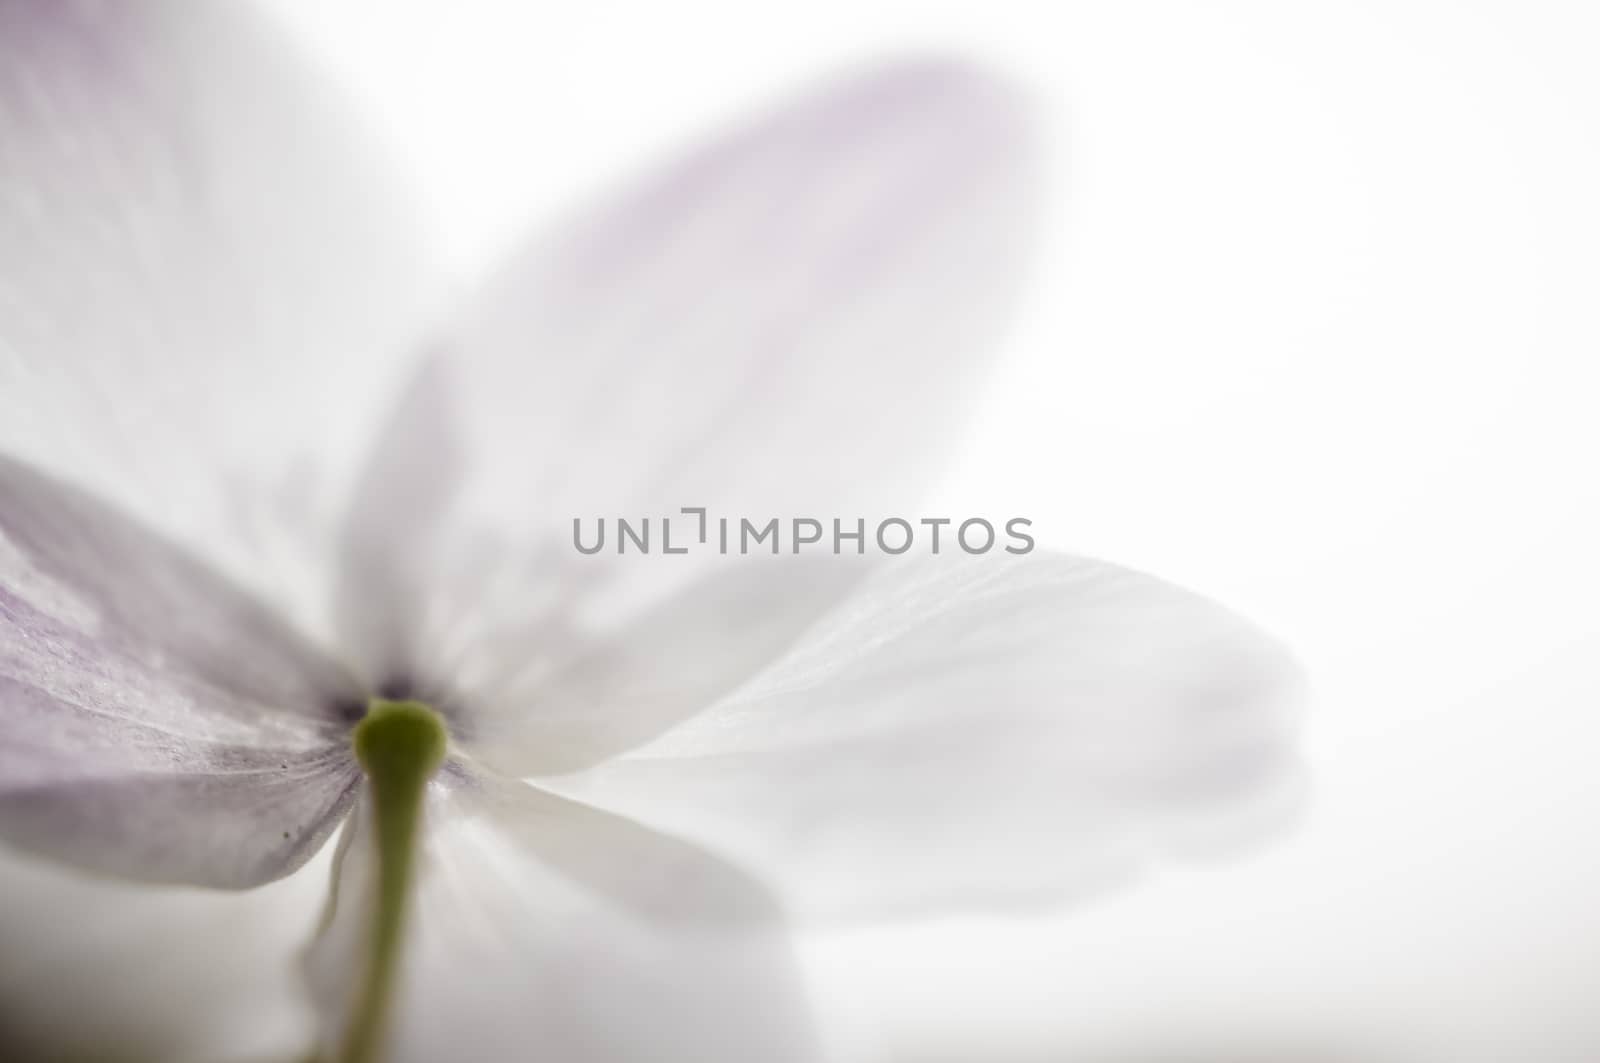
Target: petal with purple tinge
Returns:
[[155, 722]]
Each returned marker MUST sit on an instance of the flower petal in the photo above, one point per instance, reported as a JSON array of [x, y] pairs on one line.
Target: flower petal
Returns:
[[985, 731], [205, 279], [613, 690], [115, 972], [541, 928], [155, 722], [810, 295]]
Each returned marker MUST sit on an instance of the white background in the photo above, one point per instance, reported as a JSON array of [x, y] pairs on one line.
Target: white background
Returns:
[[1314, 332]]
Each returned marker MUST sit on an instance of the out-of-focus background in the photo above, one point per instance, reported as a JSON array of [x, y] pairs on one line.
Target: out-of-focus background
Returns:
[[1315, 332]]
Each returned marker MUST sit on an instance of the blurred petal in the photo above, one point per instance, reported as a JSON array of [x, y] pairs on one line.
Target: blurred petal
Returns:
[[206, 278], [155, 722], [978, 731], [618, 690], [95, 971], [812, 294], [543, 929]]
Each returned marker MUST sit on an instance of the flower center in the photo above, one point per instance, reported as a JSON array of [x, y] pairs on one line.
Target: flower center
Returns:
[[399, 744], [399, 740]]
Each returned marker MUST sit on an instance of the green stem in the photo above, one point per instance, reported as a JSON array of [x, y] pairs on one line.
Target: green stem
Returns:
[[400, 744]]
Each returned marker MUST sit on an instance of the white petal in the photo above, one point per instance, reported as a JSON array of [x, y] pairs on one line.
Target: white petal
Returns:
[[619, 689], [982, 731], [543, 929], [203, 276], [787, 323], [155, 721], [92, 970]]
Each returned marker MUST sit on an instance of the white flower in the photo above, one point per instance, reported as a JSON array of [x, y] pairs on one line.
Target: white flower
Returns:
[[247, 483]]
